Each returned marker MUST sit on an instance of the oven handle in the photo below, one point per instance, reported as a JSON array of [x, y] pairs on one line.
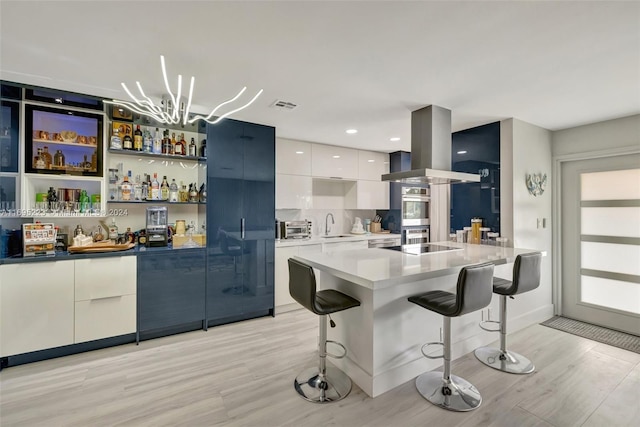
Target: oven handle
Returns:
[[416, 199]]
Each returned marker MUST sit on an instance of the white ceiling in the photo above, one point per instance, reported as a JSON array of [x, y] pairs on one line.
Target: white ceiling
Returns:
[[363, 65]]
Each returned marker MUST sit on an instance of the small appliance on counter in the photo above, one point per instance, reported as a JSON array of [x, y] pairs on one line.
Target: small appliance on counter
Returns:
[[295, 229], [38, 239], [157, 226]]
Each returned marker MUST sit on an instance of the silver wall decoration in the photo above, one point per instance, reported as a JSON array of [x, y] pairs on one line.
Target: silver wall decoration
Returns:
[[536, 183]]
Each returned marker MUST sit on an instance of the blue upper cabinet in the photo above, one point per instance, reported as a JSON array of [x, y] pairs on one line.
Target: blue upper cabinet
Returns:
[[476, 150], [240, 220], [9, 152]]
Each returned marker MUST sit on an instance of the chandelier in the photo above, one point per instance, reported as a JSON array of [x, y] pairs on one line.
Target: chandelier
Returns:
[[172, 110]]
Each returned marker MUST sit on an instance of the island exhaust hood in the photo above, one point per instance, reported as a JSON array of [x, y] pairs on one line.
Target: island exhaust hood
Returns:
[[431, 150]]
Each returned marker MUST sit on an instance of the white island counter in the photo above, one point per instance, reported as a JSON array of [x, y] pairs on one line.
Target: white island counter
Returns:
[[384, 335]]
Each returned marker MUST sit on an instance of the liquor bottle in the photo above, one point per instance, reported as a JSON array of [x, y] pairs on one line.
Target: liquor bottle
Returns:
[[127, 142], [46, 157], [137, 139], [202, 194], [193, 192], [203, 148], [125, 188], [155, 188], [157, 142], [52, 198], [173, 191], [94, 160], [144, 188], [84, 201], [179, 148], [58, 159], [113, 230], [193, 149], [164, 189], [137, 189], [147, 141], [173, 143], [184, 193], [115, 143], [166, 142], [131, 238]]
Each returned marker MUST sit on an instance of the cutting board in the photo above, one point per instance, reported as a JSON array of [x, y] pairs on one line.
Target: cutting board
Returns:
[[106, 246], [382, 232]]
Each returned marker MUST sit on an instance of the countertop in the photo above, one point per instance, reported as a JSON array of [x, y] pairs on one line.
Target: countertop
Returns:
[[64, 255], [346, 237], [378, 268]]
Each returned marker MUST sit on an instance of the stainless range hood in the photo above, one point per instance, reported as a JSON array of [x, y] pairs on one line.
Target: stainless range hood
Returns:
[[431, 150]]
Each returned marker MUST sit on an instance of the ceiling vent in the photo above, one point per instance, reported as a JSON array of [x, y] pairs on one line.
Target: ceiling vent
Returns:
[[285, 105]]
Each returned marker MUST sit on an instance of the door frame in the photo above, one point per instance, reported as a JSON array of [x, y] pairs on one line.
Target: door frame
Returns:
[[556, 214]]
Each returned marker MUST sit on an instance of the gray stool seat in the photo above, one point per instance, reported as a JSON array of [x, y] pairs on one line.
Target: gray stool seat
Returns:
[[319, 384], [526, 277], [331, 301], [473, 292]]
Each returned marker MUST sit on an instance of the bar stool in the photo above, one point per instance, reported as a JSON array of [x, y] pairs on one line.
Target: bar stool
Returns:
[[320, 384], [473, 292], [526, 277]]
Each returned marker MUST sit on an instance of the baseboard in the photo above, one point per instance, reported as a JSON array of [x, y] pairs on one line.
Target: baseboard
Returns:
[[284, 308]]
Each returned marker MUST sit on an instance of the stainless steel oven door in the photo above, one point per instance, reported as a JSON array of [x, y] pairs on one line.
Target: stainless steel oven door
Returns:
[[415, 210], [415, 236]]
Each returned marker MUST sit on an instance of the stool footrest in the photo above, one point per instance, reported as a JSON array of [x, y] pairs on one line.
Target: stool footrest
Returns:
[[429, 344], [484, 325], [335, 356]]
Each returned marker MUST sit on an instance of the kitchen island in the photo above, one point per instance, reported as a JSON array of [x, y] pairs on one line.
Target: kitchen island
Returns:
[[384, 335]]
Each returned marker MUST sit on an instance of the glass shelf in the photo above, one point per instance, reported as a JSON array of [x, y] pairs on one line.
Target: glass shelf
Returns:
[[156, 156], [143, 202]]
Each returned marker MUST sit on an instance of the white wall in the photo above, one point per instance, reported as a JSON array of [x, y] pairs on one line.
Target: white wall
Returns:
[[611, 134], [526, 149]]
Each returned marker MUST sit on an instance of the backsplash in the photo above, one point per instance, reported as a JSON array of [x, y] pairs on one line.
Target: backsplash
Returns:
[[344, 218]]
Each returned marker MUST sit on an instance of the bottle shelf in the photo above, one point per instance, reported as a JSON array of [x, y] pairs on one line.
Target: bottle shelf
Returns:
[[75, 144], [156, 156], [156, 202]]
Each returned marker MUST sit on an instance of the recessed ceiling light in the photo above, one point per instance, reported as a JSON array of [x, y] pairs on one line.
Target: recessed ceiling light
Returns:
[[462, 152], [370, 160], [299, 152], [352, 131], [394, 139], [336, 157]]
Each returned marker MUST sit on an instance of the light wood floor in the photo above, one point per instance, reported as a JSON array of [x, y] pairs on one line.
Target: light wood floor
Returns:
[[242, 374]]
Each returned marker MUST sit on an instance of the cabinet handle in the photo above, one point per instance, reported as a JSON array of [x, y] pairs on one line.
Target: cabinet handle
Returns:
[[110, 297], [242, 228]]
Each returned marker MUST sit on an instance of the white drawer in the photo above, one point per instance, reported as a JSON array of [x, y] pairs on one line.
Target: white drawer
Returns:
[[105, 277], [105, 317]]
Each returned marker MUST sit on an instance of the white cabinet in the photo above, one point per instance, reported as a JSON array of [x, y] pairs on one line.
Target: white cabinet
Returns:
[[293, 157], [367, 195], [345, 246], [334, 162], [36, 306], [294, 191], [281, 275], [105, 297], [372, 165], [283, 300]]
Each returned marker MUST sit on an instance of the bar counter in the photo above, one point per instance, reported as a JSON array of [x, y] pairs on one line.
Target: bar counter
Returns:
[[384, 335]]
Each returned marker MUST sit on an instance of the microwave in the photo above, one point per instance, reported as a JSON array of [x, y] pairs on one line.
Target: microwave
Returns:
[[295, 229]]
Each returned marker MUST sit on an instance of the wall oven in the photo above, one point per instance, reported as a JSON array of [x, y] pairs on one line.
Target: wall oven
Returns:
[[415, 206], [415, 236]]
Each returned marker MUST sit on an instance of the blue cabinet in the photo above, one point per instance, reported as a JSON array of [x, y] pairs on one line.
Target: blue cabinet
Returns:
[[171, 290], [9, 151], [240, 220]]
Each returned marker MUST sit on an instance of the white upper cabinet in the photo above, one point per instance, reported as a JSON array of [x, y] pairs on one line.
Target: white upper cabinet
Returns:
[[334, 162], [293, 157], [372, 165], [294, 191]]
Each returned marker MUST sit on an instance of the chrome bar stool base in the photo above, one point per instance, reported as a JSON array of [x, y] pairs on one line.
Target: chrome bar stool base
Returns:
[[458, 395], [312, 386], [505, 361]]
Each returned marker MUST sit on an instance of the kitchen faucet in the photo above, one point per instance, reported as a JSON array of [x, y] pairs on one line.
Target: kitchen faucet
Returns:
[[326, 223]]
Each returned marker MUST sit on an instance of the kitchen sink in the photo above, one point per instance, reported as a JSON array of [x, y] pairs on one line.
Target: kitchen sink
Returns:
[[338, 235]]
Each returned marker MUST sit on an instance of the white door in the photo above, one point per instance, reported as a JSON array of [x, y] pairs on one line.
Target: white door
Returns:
[[601, 242]]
